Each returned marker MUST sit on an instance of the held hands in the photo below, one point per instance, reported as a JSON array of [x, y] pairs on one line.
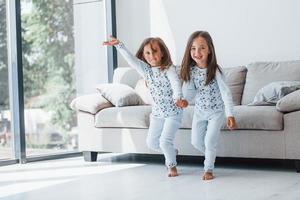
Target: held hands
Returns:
[[181, 103], [113, 41], [231, 124]]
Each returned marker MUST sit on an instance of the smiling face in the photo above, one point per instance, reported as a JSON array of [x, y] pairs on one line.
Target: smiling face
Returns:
[[152, 54], [200, 51]]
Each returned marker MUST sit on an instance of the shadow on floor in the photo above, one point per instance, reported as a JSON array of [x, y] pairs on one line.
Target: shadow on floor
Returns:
[[241, 163]]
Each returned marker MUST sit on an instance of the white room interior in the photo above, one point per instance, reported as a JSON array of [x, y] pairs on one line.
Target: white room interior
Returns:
[[243, 32]]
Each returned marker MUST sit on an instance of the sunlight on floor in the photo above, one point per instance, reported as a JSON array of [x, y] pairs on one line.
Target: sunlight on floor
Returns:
[[23, 178], [17, 188]]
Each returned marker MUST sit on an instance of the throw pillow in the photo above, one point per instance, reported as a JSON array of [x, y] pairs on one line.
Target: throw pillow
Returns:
[[289, 103], [273, 92], [91, 103], [119, 94], [143, 91]]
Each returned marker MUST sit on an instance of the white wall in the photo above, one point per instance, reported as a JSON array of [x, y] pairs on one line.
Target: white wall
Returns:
[[133, 24], [243, 31], [90, 56]]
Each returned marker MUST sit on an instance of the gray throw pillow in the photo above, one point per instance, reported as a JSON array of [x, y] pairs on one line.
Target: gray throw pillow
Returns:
[[119, 94], [289, 103], [273, 92]]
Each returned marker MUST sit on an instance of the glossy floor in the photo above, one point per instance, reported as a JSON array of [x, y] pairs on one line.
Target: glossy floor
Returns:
[[122, 179]]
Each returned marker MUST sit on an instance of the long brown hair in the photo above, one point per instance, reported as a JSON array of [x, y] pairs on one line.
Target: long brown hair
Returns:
[[187, 61], [166, 60]]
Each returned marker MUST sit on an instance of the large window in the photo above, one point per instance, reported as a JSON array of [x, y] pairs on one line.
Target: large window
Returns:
[[48, 76], [37, 62], [6, 150]]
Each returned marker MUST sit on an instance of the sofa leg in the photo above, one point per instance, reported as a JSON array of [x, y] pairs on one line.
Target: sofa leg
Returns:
[[90, 156], [297, 165]]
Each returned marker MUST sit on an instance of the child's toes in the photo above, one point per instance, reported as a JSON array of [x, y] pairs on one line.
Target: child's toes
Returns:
[[207, 176], [172, 172]]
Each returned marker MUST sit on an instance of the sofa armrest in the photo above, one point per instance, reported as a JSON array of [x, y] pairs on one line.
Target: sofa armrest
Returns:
[[289, 103], [291, 134], [90, 103]]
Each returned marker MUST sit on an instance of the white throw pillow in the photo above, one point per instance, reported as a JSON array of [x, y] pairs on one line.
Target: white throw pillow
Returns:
[[119, 94], [273, 92], [91, 103], [143, 91]]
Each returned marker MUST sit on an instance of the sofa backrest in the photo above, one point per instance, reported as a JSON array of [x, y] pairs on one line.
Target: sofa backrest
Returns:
[[262, 73], [126, 75], [235, 79]]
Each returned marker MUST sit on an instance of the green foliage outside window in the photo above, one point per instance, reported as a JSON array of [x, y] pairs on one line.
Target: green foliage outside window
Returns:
[[4, 100], [48, 59]]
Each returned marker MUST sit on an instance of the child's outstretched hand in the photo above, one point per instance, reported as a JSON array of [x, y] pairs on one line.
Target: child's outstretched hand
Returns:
[[181, 103], [231, 124], [113, 41]]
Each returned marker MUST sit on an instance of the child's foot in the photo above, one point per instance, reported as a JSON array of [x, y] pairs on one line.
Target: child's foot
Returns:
[[207, 176], [172, 172]]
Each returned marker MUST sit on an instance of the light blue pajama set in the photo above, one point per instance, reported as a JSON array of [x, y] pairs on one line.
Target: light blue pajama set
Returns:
[[212, 102], [165, 120]]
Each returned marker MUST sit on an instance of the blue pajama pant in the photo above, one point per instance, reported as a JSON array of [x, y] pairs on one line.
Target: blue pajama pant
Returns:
[[161, 136], [206, 128]]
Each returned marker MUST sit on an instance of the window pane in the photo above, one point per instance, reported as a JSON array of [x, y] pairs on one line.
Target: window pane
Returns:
[[6, 151], [48, 68]]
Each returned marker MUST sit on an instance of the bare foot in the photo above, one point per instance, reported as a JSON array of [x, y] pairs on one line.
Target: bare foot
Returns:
[[172, 172], [207, 176]]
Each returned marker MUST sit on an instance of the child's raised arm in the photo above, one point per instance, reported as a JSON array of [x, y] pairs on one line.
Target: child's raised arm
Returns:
[[133, 61], [113, 41]]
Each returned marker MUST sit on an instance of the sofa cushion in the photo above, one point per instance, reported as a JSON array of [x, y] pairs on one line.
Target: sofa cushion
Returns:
[[235, 78], [247, 117], [262, 73], [129, 117], [257, 118]]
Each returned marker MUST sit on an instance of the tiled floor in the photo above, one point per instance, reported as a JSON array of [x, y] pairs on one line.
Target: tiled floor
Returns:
[[122, 179]]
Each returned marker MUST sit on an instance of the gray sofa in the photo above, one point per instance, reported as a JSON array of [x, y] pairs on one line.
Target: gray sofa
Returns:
[[263, 131]]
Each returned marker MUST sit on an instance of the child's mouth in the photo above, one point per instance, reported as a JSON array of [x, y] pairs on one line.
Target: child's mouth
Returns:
[[198, 58]]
